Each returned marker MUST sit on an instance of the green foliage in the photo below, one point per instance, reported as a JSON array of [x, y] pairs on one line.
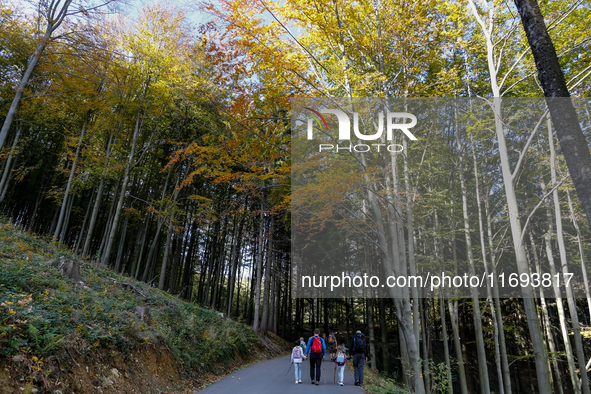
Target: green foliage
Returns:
[[439, 373], [386, 386], [42, 314]]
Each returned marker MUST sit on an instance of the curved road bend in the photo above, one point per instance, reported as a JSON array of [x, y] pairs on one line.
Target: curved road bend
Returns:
[[269, 377]]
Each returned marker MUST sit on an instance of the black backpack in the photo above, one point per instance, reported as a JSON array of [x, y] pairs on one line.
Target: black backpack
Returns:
[[359, 344]]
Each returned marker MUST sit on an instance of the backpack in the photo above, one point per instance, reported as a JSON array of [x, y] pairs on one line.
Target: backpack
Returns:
[[340, 358], [359, 344], [316, 345], [330, 339], [296, 354]]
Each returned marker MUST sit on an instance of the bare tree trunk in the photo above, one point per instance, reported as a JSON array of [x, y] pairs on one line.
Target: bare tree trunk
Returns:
[[535, 331], [135, 269], [236, 245], [54, 19], [568, 130], [63, 234], [372, 337], [581, 252], [162, 279], [453, 307], [8, 164], [486, 271], [268, 270], [384, 335], [546, 318], [83, 227], [496, 298], [97, 203], [572, 308], [138, 126], [439, 264], [540, 354], [481, 351], [259, 274], [58, 228], [121, 244]]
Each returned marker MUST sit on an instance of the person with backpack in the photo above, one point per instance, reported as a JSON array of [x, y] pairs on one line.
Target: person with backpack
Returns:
[[316, 350], [297, 356], [303, 344], [340, 363], [359, 348], [332, 346]]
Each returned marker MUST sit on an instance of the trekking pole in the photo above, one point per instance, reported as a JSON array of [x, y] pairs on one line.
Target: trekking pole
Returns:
[[334, 380], [289, 368]]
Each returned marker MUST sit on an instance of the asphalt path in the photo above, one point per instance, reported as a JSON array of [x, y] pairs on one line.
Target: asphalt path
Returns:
[[269, 377]]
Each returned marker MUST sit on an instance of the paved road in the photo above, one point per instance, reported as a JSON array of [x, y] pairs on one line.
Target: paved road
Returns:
[[269, 378]]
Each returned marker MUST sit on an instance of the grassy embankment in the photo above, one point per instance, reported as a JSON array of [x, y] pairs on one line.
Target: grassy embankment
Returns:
[[58, 335]]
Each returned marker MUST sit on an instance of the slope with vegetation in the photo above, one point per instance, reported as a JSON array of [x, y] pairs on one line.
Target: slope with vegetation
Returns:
[[56, 334]]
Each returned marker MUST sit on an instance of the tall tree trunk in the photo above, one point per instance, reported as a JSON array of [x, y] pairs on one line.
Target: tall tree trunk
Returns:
[[141, 242], [55, 16], [64, 231], [268, 270], [97, 203], [535, 331], [162, 279], [121, 244], [572, 141], [259, 275], [58, 228], [235, 255], [572, 308], [453, 306], [8, 164], [372, 337], [481, 351], [546, 318], [559, 305], [540, 353], [384, 335], [138, 126], [500, 374], [83, 227], [496, 298], [581, 251]]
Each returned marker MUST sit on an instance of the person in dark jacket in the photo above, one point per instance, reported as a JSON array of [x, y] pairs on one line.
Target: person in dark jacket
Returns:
[[316, 357], [358, 349]]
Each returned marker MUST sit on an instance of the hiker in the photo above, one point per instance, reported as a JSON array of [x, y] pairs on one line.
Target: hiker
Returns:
[[303, 344], [332, 346], [316, 350], [359, 348], [340, 363], [297, 356]]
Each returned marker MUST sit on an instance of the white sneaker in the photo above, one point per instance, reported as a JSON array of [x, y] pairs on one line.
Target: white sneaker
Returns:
[[297, 382], [300, 381], [340, 383]]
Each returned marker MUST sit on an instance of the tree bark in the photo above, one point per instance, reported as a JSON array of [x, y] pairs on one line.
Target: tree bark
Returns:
[[97, 203], [58, 228], [564, 117], [563, 262], [8, 164], [54, 20], [259, 274]]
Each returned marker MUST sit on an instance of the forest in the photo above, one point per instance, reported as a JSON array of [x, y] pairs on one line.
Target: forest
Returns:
[[159, 140]]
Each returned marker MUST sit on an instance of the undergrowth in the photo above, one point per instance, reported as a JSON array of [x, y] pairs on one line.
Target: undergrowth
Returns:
[[44, 316]]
